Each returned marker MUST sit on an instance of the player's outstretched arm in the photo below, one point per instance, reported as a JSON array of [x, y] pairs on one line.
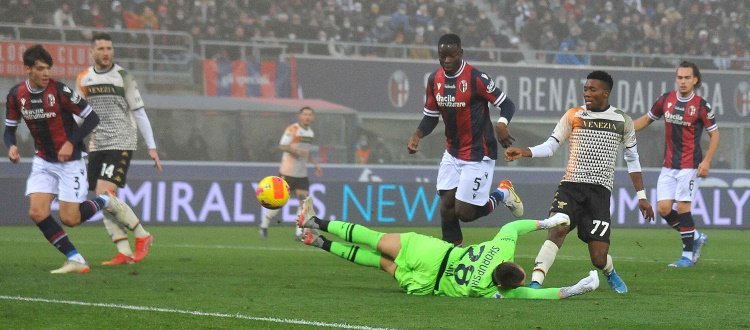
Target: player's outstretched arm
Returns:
[[642, 122], [587, 284]]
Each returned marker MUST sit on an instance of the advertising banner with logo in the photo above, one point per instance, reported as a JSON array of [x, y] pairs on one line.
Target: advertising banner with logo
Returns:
[[374, 195], [68, 59], [399, 86], [249, 79]]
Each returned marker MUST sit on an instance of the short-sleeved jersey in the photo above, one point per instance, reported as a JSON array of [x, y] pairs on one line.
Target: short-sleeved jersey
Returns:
[[49, 115], [469, 269], [462, 100], [594, 139], [114, 95], [684, 122], [303, 138]]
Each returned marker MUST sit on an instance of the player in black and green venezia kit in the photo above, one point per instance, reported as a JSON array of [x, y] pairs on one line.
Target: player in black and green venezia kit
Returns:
[[425, 265]]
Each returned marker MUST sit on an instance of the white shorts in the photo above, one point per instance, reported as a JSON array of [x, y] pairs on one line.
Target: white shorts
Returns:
[[473, 179], [67, 180], [677, 184]]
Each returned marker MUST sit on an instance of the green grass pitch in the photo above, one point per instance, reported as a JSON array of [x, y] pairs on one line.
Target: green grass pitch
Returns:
[[227, 278]]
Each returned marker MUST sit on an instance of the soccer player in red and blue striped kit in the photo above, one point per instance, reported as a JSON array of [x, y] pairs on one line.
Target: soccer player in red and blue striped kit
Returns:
[[48, 106], [686, 115], [460, 94]]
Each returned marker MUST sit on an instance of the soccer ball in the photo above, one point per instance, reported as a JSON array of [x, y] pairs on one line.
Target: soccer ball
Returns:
[[273, 192]]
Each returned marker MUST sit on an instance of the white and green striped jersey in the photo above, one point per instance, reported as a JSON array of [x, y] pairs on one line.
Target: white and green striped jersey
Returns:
[[114, 96], [594, 137]]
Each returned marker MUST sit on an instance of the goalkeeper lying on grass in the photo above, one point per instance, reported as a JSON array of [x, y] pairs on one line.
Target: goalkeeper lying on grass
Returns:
[[425, 265]]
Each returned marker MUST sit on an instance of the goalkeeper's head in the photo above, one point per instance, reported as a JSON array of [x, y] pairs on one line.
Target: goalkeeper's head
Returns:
[[508, 275]]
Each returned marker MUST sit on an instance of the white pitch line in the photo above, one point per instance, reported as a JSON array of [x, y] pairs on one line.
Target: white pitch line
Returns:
[[198, 313]]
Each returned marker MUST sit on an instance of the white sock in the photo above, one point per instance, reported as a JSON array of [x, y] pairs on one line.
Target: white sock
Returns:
[[506, 193], [270, 214], [609, 267], [77, 258], [140, 232], [117, 233], [688, 254], [105, 198], [123, 246], [544, 261]]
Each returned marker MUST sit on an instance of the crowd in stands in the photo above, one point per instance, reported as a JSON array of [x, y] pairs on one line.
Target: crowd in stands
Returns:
[[708, 28]]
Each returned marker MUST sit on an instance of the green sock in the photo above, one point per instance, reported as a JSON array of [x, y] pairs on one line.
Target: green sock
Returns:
[[354, 254], [355, 233]]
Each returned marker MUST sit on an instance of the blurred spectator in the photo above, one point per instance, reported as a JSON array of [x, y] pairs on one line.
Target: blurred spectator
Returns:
[[22, 11], [94, 17], [422, 16], [399, 22], [132, 20], [180, 21], [63, 16], [548, 41], [675, 27], [149, 19], [531, 30], [441, 19], [589, 30], [396, 48], [197, 147], [514, 55], [420, 52], [381, 33], [281, 26], [362, 154], [320, 48], [115, 18], [470, 38], [569, 58], [380, 153], [489, 55]]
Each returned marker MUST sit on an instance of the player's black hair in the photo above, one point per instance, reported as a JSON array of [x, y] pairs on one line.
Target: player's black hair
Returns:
[[508, 275], [450, 39], [603, 76], [36, 53], [100, 36], [696, 72], [306, 108]]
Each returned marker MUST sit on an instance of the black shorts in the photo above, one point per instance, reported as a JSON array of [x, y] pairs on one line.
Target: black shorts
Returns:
[[588, 207], [109, 165], [296, 183]]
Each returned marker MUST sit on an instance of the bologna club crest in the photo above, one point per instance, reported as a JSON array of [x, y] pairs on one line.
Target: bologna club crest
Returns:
[[398, 89], [742, 99]]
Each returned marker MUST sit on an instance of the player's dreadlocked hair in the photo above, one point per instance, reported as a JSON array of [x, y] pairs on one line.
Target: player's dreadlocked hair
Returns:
[[36, 53], [450, 39], [696, 72], [508, 275], [603, 76]]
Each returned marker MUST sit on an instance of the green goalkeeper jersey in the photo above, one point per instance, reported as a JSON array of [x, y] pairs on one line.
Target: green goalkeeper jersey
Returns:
[[468, 271]]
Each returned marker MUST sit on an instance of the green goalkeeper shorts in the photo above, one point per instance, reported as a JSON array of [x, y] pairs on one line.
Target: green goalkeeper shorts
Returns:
[[418, 262]]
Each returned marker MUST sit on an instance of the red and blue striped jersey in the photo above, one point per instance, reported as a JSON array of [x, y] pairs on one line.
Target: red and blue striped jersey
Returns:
[[462, 100], [685, 119], [49, 115]]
